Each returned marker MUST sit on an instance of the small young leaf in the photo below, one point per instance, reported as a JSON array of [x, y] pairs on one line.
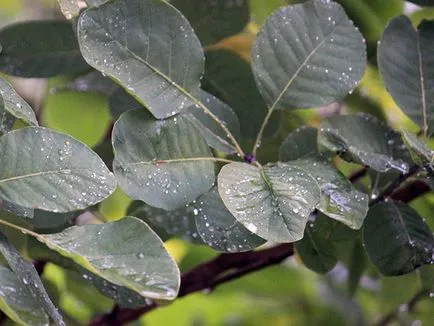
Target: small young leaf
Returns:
[[26, 272], [406, 62], [273, 202], [17, 302], [365, 140], [149, 48], [48, 170], [24, 54], [339, 199], [300, 143], [218, 227], [307, 55], [396, 238], [214, 20], [316, 250], [15, 104], [165, 163], [419, 150], [126, 253]]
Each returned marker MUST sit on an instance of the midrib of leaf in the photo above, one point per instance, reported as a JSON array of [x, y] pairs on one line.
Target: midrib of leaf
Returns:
[[404, 226], [183, 91], [273, 106], [422, 86], [36, 174], [181, 160]]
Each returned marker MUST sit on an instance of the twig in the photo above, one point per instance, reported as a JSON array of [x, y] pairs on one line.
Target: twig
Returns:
[[207, 276], [409, 307]]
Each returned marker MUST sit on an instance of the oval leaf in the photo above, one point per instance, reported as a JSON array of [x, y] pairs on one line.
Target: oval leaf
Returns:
[[126, 252], [299, 143], [162, 70], [219, 229], [160, 161], [308, 55], [52, 171], [406, 62], [17, 302], [397, 239], [339, 199], [364, 140], [273, 202], [24, 54]]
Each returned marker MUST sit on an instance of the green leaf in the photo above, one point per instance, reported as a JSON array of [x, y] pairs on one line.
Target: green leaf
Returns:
[[339, 199], [230, 78], [49, 221], [126, 253], [165, 163], [162, 70], [219, 229], [426, 274], [24, 54], [316, 250], [83, 115], [214, 135], [358, 264], [300, 143], [214, 20], [15, 104], [423, 2], [48, 170], [419, 150], [308, 55], [26, 272], [397, 239], [17, 302], [273, 201], [16, 210], [121, 101], [364, 140], [406, 62], [93, 81], [167, 224], [7, 120]]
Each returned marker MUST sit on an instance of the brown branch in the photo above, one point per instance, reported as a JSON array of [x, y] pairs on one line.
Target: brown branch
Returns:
[[207, 276], [409, 307]]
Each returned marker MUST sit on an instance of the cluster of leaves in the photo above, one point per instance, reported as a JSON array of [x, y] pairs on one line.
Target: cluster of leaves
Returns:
[[180, 151]]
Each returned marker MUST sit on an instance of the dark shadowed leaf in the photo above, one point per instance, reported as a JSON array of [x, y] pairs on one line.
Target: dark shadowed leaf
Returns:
[[49, 221], [339, 199], [126, 252], [364, 140], [426, 274], [149, 48], [121, 101], [160, 161], [308, 55], [357, 266], [15, 105], [52, 171], [316, 250], [24, 54], [219, 229], [230, 78], [299, 143], [214, 20], [423, 2], [93, 81], [419, 150], [17, 302], [273, 202], [167, 224], [406, 61], [27, 274], [397, 239]]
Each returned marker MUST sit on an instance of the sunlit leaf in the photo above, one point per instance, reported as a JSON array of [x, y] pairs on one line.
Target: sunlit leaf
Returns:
[[69, 8], [300, 143], [126, 252], [273, 202], [218, 227], [27, 274], [149, 48], [308, 55], [48, 170], [406, 62], [365, 140], [397, 239], [161, 161], [17, 302], [214, 20], [24, 54], [339, 199], [419, 150]]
